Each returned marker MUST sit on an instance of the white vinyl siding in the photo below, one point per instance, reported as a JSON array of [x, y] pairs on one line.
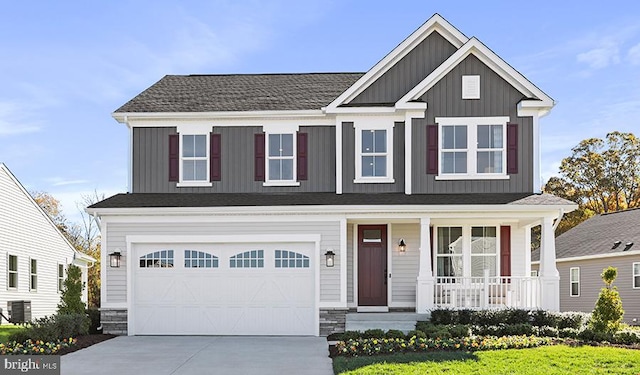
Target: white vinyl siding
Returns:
[[116, 290], [404, 266], [574, 280], [27, 233]]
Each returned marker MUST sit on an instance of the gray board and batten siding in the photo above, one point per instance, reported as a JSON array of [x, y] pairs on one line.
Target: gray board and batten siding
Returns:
[[151, 162], [408, 72], [497, 98], [349, 169]]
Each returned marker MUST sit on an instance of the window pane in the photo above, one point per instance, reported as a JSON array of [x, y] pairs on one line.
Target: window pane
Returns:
[[372, 235], [380, 166], [460, 162], [449, 266], [490, 162], [636, 269], [274, 145], [287, 144], [287, 169], [380, 141], [496, 136], [200, 146], [481, 262], [575, 274], [200, 170], [34, 267], [188, 170], [575, 289], [483, 240], [636, 282], [275, 171], [450, 240], [13, 263], [447, 137], [188, 146], [484, 135], [368, 166], [461, 136], [447, 162], [367, 141]]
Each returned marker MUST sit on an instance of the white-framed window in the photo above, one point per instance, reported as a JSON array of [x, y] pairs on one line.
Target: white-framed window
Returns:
[[281, 158], [157, 259], [199, 259], [60, 277], [472, 148], [247, 259], [33, 274], [290, 259], [374, 152], [635, 275], [194, 159], [12, 274], [574, 281], [466, 251]]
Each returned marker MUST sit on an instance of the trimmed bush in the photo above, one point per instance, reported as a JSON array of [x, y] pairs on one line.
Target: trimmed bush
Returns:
[[416, 334], [541, 318], [394, 334], [373, 334], [444, 316], [608, 312], [53, 328]]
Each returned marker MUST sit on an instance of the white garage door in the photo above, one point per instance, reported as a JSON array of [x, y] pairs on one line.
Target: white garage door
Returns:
[[213, 289]]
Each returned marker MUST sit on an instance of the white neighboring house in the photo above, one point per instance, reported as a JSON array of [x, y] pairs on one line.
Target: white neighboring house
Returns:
[[34, 255]]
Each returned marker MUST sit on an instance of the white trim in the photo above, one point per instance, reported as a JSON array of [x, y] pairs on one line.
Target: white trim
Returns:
[[390, 251], [104, 271], [355, 264], [281, 183], [537, 179], [494, 62], [281, 130], [129, 117], [365, 124], [435, 23], [595, 256], [633, 275], [113, 306], [467, 254], [31, 274], [343, 261], [571, 282], [193, 183], [472, 124]]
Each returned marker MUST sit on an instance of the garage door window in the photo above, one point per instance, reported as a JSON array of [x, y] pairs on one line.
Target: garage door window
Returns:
[[290, 259], [157, 259], [248, 259], [199, 259]]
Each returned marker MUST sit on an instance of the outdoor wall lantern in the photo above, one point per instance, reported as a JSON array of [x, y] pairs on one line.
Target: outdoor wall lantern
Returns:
[[402, 246], [330, 255], [114, 259]]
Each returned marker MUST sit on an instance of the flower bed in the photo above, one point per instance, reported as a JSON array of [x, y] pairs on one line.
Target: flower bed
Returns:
[[372, 346], [36, 346]]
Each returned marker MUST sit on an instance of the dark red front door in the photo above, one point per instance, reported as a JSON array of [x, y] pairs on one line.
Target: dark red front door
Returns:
[[372, 265]]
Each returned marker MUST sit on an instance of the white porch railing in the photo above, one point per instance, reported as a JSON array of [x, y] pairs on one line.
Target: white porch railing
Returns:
[[487, 292]]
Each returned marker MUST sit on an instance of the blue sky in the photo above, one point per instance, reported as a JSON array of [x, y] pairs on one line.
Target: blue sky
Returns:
[[65, 66]]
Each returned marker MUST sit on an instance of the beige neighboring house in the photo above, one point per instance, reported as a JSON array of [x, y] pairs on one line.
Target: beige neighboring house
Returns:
[[611, 239], [34, 254]]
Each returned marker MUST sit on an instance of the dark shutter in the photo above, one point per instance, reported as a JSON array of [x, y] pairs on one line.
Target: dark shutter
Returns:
[[505, 251], [302, 156], [432, 149], [215, 171], [174, 157], [512, 148], [433, 251], [258, 149]]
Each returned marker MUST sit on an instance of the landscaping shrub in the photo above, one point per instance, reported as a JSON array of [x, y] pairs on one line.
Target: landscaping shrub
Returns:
[[547, 331], [394, 334], [94, 318], [591, 335], [569, 333], [71, 298], [431, 330], [627, 338], [53, 328], [541, 318], [350, 335], [444, 316], [464, 316], [608, 312], [486, 318], [373, 334], [417, 334], [572, 319], [504, 330]]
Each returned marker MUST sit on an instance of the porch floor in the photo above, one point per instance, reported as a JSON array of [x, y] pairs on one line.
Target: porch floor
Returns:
[[403, 321]]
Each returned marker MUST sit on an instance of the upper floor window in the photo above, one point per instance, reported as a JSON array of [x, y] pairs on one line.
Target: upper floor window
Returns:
[[472, 147], [574, 281], [636, 275], [13, 271], [60, 277], [374, 153], [194, 158], [33, 275], [281, 158]]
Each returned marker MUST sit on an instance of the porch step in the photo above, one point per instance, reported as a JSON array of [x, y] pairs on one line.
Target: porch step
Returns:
[[404, 322]]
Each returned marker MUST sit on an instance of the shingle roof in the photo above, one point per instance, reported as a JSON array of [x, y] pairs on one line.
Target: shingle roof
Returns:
[[598, 235], [139, 200], [241, 92]]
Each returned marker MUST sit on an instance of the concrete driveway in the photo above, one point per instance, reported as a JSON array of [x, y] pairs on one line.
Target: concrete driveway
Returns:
[[197, 355]]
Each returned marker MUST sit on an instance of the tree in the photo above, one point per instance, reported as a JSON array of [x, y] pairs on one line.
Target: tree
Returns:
[[608, 312], [71, 299], [600, 176]]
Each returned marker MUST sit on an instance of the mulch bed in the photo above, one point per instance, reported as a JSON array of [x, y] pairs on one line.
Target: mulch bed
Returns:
[[85, 342]]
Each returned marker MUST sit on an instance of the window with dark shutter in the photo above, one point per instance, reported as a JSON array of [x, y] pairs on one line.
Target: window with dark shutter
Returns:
[[215, 158], [302, 156], [432, 149], [258, 150], [505, 251], [512, 148], [174, 158]]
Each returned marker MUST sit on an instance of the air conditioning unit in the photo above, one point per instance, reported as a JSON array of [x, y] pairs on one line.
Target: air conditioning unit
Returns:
[[19, 311]]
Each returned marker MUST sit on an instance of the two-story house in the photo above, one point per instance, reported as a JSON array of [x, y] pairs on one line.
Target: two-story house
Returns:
[[273, 204]]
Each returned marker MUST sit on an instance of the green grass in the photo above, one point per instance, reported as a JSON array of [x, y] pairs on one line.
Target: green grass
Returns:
[[6, 329], [547, 360]]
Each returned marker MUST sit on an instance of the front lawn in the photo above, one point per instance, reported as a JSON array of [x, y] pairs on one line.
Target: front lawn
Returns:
[[6, 330], [548, 360]]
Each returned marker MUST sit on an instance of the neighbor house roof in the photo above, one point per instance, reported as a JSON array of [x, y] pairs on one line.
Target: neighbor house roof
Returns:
[[146, 200], [240, 92], [598, 236]]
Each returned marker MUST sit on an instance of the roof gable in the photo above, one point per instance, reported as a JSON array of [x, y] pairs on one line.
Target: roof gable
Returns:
[[434, 24], [537, 99]]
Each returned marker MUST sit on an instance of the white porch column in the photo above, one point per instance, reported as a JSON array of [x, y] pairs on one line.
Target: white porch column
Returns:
[[549, 276], [426, 282]]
